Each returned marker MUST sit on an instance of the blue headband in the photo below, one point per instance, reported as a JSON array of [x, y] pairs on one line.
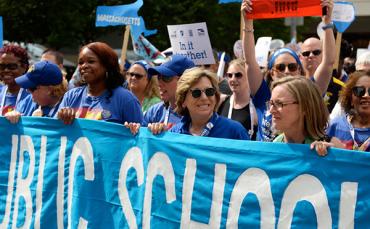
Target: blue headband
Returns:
[[145, 65], [282, 51]]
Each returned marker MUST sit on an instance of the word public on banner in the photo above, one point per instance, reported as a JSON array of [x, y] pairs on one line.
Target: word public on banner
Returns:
[[97, 175], [192, 41], [123, 15], [284, 8]]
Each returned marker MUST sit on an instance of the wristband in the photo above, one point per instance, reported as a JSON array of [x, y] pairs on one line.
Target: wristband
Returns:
[[328, 26]]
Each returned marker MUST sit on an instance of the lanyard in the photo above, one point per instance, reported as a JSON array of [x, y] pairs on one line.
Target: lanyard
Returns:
[[230, 113], [352, 132], [4, 91], [167, 115]]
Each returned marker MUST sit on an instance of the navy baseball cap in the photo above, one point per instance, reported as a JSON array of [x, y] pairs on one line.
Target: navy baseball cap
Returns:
[[174, 67], [42, 73]]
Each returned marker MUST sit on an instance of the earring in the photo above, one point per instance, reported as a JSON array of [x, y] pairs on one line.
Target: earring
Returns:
[[106, 75]]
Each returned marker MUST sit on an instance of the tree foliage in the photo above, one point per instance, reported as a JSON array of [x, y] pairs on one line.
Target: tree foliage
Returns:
[[69, 23]]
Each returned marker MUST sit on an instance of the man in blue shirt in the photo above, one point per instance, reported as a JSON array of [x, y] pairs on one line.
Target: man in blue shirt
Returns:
[[168, 74]]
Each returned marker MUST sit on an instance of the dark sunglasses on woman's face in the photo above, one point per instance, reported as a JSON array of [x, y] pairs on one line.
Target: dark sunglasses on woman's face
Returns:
[[236, 74], [314, 52], [165, 79], [12, 66], [360, 91], [196, 93], [292, 67], [132, 74]]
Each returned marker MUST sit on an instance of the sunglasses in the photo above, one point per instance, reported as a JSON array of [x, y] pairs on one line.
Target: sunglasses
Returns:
[[292, 67], [237, 75], [165, 79], [132, 74], [360, 91], [314, 52], [196, 93], [11, 66], [32, 89]]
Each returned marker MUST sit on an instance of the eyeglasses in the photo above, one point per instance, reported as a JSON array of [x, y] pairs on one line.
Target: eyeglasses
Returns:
[[12, 66], [360, 91], [165, 79], [196, 93], [292, 67], [314, 52], [278, 104], [237, 75], [132, 74]]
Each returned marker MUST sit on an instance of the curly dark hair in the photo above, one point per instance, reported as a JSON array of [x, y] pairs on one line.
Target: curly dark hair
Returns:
[[17, 51], [109, 59], [346, 92]]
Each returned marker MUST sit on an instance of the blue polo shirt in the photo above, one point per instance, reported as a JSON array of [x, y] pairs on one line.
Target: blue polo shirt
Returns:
[[158, 113], [221, 127], [119, 107]]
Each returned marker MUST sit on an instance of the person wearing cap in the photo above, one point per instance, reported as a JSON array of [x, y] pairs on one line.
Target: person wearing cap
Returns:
[[283, 62], [45, 82], [168, 74], [13, 63], [103, 97], [143, 85]]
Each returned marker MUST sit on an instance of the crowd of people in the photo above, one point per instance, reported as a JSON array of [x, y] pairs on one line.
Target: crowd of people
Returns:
[[282, 103]]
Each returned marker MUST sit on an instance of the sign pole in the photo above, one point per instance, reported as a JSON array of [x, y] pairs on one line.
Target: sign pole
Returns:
[[338, 42], [124, 46]]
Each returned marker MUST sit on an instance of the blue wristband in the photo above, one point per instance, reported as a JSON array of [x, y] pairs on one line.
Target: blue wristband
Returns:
[[328, 26]]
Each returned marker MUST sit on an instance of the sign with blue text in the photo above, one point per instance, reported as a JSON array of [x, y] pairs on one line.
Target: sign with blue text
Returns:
[[192, 41], [95, 174]]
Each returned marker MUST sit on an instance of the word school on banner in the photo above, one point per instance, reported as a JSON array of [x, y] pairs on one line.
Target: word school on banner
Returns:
[[97, 175]]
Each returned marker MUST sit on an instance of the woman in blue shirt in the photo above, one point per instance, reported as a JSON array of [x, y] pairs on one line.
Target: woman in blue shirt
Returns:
[[102, 98], [197, 98]]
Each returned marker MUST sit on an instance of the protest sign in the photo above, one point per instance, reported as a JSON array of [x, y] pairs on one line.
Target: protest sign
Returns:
[[262, 50], [95, 174], [192, 41], [343, 15], [284, 8]]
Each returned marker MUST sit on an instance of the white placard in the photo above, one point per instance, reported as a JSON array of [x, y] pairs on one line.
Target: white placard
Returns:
[[192, 40], [343, 12], [262, 50]]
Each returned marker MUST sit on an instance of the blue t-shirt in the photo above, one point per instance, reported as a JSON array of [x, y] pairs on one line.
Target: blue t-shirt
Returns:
[[221, 127], [341, 129], [27, 106], [120, 107], [158, 113], [265, 132], [8, 102]]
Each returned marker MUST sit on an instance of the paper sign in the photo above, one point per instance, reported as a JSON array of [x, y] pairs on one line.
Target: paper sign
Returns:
[[238, 49], [262, 50], [192, 41], [343, 15], [284, 8]]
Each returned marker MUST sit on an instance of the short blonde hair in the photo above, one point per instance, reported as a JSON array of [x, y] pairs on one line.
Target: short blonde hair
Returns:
[[187, 80], [59, 90], [310, 102]]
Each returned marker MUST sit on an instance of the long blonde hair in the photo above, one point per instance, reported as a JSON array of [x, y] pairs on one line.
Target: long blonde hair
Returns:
[[310, 102]]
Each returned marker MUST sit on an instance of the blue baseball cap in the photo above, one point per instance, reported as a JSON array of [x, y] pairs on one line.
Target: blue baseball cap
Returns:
[[42, 73], [174, 67]]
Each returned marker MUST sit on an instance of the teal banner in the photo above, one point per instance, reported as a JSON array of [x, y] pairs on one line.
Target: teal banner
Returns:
[[97, 175]]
